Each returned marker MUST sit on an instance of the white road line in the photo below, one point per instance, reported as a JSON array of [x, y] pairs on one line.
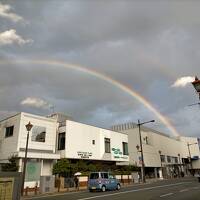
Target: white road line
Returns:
[[130, 191], [184, 190], [165, 195]]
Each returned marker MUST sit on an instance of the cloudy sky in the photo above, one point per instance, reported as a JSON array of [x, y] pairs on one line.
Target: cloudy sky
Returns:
[[146, 45]]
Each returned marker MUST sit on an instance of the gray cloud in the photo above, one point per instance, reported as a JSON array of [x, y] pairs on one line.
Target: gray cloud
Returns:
[[5, 12], [145, 45]]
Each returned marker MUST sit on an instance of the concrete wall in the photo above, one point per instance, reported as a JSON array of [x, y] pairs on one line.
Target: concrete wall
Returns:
[[194, 148], [79, 140], [8, 145], [50, 139], [158, 142]]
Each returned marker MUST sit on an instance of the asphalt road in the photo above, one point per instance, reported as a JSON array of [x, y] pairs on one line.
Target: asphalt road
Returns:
[[179, 189]]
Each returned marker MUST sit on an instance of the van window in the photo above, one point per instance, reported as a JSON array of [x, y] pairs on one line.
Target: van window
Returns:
[[104, 175], [94, 175]]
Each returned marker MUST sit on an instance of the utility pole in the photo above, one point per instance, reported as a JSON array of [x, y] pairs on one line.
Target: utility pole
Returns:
[[141, 149]]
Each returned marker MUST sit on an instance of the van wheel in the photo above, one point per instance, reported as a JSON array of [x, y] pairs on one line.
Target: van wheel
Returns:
[[103, 188], [118, 186]]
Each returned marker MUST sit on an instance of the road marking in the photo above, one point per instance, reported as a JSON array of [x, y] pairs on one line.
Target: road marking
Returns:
[[130, 191], [165, 195], [184, 190]]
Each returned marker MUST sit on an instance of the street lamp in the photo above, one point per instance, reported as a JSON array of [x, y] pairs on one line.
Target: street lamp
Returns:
[[188, 145], [141, 149], [28, 128], [196, 84]]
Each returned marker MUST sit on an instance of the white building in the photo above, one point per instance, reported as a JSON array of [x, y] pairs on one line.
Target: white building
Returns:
[[56, 137], [163, 155], [41, 147], [88, 142]]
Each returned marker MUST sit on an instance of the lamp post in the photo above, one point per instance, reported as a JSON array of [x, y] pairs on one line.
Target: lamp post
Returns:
[[196, 85], [28, 128], [141, 148], [188, 145]]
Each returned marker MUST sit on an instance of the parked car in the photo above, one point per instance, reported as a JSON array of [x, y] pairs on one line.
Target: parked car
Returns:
[[103, 181]]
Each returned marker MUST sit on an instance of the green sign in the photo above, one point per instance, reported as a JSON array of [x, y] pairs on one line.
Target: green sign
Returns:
[[33, 169], [118, 153]]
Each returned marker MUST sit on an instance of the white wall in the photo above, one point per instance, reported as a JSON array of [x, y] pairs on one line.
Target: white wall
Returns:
[[47, 167], [79, 139], [157, 142], [50, 140], [194, 146], [8, 146]]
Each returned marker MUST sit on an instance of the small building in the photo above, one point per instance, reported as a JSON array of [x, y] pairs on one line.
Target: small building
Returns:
[[163, 155], [41, 148], [54, 137]]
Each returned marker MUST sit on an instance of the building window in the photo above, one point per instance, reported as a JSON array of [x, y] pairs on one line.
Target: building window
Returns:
[[146, 141], [107, 145], [9, 131], [38, 134], [176, 159], [61, 141], [168, 159], [125, 148], [93, 142], [162, 158]]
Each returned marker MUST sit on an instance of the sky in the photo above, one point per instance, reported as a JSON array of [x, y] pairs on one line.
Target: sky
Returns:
[[145, 45]]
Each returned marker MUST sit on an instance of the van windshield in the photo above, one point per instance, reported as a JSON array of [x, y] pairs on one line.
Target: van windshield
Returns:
[[94, 175]]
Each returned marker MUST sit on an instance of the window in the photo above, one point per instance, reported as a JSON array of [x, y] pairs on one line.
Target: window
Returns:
[[61, 141], [125, 148], [93, 142], [146, 141], [38, 134], [162, 158], [9, 131], [104, 175], [107, 145], [94, 175], [168, 159], [176, 159]]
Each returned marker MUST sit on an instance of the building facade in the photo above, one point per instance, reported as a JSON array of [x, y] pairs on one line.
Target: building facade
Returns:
[[164, 156], [58, 136], [55, 137], [41, 148]]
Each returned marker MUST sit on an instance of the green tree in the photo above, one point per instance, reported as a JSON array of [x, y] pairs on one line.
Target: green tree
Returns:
[[62, 168], [11, 166]]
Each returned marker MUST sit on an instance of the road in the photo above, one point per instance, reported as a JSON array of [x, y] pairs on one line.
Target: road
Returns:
[[179, 189]]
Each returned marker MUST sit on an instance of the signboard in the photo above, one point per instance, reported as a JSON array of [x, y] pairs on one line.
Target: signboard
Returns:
[[33, 169], [83, 154], [118, 154]]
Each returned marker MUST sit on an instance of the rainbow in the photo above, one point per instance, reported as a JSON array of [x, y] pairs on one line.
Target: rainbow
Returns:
[[109, 80]]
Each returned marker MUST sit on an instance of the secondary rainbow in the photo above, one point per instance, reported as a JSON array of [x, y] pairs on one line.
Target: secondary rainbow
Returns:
[[106, 78]]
